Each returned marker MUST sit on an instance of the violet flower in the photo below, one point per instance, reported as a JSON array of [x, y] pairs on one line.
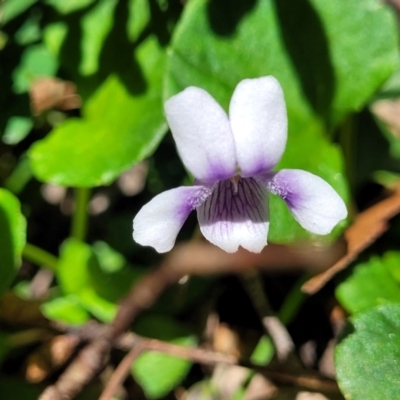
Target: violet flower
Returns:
[[231, 159]]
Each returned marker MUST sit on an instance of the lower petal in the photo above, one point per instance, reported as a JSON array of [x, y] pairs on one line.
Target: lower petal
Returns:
[[235, 214], [158, 222], [312, 201]]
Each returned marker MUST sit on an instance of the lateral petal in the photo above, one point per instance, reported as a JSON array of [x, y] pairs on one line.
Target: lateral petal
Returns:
[[230, 218], [158, 222], [259, 124], [202, 134], [312, 201]]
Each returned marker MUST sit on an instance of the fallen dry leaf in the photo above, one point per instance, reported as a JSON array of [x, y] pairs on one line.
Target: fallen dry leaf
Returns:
[[367, 227], [388, 111], [48, 93]]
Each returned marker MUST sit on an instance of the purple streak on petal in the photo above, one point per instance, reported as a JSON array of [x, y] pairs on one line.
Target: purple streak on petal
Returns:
[[313, 202], [196, 198], [235, 214], [158, 222], [286, 187]]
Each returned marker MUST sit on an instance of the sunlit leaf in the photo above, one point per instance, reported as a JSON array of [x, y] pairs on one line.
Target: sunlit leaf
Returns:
[[17, 129], [263, 352], [368, 357], [11, 9], [12, 238], [95, 26], [118, 129], [67, 309], [101, 308], [36, 62], [370, 284], [66, 7], [215, 50], [72, 269]]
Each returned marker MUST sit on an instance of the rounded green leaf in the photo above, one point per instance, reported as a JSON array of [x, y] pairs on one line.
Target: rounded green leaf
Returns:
[[72, 269], [330, 57], [67, 309], [368, 357], [370, 284], [119, 129], [12, 238]]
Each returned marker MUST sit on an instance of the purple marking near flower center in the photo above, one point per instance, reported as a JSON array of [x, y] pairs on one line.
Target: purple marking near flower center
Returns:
[[219, 172], [234, 201]]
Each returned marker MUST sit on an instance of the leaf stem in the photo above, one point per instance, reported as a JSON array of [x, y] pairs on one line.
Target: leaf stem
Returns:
[[39, 256], [293, 301], [80, 218]]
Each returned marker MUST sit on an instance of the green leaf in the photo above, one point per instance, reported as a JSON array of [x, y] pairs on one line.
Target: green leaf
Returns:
[[72, 270], [159, 373], [111, 277], [310, 55], [36, 62], [17, 129], [67, 309], [12, 238], [109, 260], [95, 26], [101, 308], [118, 129], [263, 352], [66, 7], [370, 284], [11, 9], [368, 357]]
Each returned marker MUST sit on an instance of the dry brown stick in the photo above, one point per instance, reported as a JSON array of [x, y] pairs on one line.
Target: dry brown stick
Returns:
[[367, 227], [195, 354], [82, 369], [121, 372], [311, 381]]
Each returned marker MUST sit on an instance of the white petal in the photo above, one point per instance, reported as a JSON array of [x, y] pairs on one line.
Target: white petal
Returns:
[[202, 134], [158, 222], [259, 124], [230, 218], [313, 202]]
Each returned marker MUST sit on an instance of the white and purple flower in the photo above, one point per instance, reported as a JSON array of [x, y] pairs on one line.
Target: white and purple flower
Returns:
[[232, 160]]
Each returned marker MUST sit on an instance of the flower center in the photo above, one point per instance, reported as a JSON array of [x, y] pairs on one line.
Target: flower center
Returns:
[[235, 183]]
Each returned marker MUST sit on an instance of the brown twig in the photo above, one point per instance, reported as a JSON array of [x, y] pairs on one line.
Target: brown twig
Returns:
[[121, 372]]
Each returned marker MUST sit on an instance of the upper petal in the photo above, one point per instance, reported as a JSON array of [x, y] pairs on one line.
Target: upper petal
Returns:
[[235, 214], [259, 124], [158, 222], [202, 134], [313, 202]]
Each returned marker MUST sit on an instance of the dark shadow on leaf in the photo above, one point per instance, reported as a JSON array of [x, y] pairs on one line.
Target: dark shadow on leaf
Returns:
[[118, 55], [225, 15], [307, 46]]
